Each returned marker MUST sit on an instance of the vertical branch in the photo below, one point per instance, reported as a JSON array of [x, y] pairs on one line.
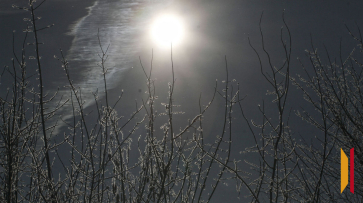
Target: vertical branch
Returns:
[[41, 101]]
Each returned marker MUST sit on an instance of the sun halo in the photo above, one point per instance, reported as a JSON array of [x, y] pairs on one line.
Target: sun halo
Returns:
[[167, 30]]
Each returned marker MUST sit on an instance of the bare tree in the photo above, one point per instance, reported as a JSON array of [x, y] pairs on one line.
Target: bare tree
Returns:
[[310, 168], [174, 163], [334, 89]]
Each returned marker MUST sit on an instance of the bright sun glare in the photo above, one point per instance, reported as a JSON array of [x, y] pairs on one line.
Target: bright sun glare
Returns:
[[167, 29]]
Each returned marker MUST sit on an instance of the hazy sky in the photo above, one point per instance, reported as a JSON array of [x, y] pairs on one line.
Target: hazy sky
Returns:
[[214, 28]]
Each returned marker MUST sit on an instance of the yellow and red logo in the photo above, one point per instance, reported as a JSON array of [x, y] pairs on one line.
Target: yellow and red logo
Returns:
[[344, 170]]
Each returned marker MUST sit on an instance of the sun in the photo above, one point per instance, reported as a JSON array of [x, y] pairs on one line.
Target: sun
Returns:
[[167, 30]]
